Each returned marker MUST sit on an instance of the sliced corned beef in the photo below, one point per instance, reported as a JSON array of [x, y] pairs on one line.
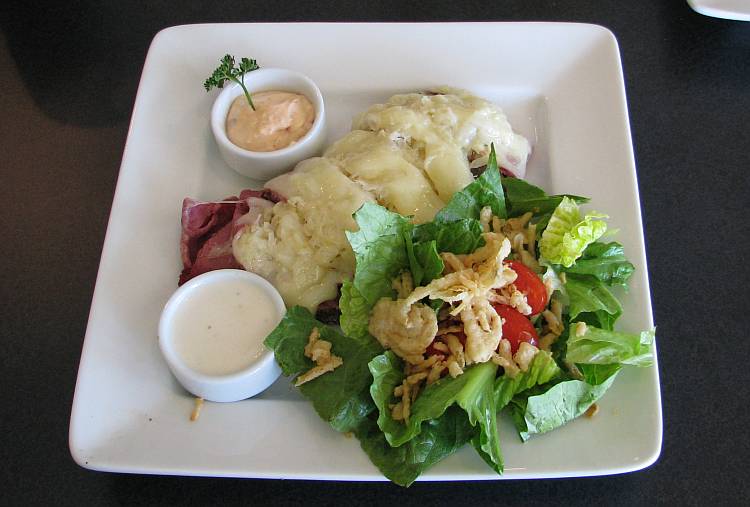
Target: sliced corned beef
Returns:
[[209, 227], [200, 221], [328, 312]]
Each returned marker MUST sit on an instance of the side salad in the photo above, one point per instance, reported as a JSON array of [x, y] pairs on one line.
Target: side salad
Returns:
[[503, 303]]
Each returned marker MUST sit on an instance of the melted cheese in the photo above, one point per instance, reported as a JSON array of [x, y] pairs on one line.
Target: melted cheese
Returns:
[[300, 246], [449, 127], [387, 169], [410, 155]]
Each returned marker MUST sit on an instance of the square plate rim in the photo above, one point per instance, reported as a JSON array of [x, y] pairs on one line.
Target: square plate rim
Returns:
[[634, 466]]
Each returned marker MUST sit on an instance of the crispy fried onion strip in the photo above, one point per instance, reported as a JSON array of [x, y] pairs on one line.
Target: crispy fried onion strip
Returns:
[[404, 327], [408, 327], [513, 364], [522, 235], [320, 352]]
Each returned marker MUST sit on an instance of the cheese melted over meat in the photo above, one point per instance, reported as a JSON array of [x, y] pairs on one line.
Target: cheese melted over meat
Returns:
[[410, 155]]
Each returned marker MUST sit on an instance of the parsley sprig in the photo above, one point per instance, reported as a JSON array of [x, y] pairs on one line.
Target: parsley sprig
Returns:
[[228, 72]]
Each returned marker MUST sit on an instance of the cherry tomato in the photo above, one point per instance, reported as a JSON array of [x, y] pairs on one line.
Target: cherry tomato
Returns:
[[530, 284], [516, 327]]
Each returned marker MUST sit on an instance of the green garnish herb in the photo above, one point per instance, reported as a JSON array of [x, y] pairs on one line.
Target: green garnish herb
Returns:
[[227, 71]]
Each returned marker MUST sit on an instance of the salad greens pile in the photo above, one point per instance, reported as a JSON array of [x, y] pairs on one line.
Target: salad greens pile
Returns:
[[558, 386]]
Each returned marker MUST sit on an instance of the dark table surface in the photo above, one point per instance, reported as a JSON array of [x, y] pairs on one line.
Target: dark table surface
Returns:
[[64, 124]]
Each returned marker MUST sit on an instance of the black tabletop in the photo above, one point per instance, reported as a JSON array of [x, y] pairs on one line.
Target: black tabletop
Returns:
[[69, 75]]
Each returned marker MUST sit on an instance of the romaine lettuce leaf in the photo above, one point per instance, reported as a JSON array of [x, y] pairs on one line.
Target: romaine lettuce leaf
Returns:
[[518, 191], [381, 254], [388, 372], [473, 391], [478, 400], [438, 439], [289, 338], [587, 293], [486, 190], [355, 311], [342, 398], [547, 409], [605, 261], [603, 347], [599, 355], [522, 197], [460, 237], [567, 234], [337, 396], [542, 369], [425, 263], [375, 221], [597, 374], [599, 318], [379, 250]]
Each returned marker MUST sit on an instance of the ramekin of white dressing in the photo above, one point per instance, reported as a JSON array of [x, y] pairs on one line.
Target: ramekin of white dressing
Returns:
[[211, 334], [264, 165]]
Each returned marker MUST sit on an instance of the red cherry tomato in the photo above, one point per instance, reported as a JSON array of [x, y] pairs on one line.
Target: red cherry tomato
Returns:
[[516, 327], [530, 284]]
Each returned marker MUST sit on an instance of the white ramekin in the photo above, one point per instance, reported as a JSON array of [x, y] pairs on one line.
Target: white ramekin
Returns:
[[263, 166], [233, 387]]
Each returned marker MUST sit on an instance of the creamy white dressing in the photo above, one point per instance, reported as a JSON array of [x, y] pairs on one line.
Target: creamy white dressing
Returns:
[[220, 329]]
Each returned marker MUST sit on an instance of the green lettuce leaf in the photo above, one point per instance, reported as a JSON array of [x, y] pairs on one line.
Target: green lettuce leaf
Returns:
[[587, 293], [478, 400], [375, 221], [518, 191], [522, 197], [381, 254], [567, 235], [456, 228], [460, 237], [355, 311], [438, 439], [486, 190], [337, 396], [387, 244], [603, 347], [388, 372], [542, 369], [473, 391], [599, 318], [606, 262], [597, 374], [289, 338], [599, 355], [379, 250], [547, 409], [342, 398], [425, 263]]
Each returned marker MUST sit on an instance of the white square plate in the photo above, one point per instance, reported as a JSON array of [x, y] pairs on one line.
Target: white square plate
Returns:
[[738, 10], [562, 87]]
